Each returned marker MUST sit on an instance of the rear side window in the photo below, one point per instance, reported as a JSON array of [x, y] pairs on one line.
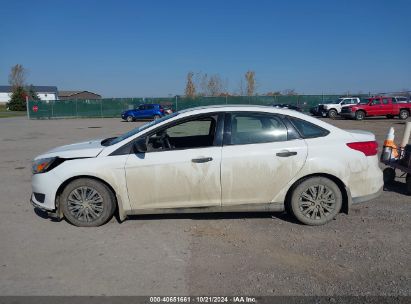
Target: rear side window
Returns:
[[253, 128], [308, 129]]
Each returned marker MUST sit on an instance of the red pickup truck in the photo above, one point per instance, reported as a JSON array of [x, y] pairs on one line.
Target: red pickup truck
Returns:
[[377, 106]]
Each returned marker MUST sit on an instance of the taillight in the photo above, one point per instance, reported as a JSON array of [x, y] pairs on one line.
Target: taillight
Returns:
[[162, 110], [369, 148]]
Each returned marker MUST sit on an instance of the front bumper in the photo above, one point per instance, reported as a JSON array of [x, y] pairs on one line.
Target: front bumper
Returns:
[[350, 115], [46, 184], [323, 113]]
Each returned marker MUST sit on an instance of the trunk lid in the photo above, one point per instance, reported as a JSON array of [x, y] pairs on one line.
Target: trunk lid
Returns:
[[361, 135]]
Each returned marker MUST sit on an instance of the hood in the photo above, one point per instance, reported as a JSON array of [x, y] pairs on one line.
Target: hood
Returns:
[[361, 135], [90, 148]]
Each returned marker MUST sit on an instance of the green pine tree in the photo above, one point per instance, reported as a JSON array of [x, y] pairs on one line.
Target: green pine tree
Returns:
[[18, 99]]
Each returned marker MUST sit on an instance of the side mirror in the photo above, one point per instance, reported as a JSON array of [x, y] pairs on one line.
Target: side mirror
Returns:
[[140, 145]]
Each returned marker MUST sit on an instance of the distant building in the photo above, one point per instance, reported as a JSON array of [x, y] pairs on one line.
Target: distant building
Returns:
[[64, 95], [44, 93]]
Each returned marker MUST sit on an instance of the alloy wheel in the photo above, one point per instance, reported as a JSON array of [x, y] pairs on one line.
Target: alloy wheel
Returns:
[[85, 204], [317, 202]]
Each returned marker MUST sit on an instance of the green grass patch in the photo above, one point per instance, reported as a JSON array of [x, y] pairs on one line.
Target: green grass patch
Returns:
[[4, 113]]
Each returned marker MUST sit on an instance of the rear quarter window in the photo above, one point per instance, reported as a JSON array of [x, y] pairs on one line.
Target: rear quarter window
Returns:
[[308, 129]]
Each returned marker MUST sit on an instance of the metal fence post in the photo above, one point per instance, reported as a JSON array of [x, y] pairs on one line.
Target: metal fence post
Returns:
[[101, 108], [176, 103], [27, 107], [52, 109]]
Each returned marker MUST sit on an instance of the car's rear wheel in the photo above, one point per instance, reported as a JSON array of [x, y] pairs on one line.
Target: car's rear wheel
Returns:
[[332, 114], [316, 201], [87, 203], [404, 114], [359, 115], [129, 118], [156, 117], [388, 175]]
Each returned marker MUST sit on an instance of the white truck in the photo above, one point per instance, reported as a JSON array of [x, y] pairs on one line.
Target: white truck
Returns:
[[333, 108]]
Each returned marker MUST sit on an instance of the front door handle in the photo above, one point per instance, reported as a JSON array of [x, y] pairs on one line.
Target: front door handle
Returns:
[[201, 160], [286, 153]]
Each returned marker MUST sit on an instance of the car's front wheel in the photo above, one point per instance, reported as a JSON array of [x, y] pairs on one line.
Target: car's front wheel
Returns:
[[332, 113], [315, 201], [359, 115], [87, 203], [129, 118]]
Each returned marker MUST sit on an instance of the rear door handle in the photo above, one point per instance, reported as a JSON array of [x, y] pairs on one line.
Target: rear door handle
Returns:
[[202, 160], [286, 153]]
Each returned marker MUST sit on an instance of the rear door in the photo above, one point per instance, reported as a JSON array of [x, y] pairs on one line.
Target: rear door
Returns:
[[259, 157], [150, 111], [387, 106]]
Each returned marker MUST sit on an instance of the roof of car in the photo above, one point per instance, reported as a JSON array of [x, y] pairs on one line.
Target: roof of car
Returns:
[[227, 107]]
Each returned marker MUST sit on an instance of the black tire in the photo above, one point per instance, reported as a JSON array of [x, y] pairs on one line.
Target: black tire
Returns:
[[86, 213], [359, 115], [404, 114], [388, 175], [390, 116], [408, 183], [156, 117], [130, 118], [313, 212], [332, 113]]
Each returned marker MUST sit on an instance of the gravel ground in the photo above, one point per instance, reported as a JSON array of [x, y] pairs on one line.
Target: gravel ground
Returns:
[[364, 253]]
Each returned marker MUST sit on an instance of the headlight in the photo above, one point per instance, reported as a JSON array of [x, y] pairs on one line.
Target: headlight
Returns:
[[45, 164]]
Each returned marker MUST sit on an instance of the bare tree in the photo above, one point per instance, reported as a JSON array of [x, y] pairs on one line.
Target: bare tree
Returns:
[[203, 84], [274, 93], [215, 85], [212, 85], [17, 76], [190, 87], [290, 92], [241, 90], [250, 79]]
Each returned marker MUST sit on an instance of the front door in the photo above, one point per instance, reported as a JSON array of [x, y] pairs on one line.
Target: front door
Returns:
[[259, 159], [180, 169], [375, 108]]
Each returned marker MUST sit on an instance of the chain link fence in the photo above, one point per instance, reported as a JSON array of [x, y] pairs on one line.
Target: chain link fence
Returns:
[[113, 107]]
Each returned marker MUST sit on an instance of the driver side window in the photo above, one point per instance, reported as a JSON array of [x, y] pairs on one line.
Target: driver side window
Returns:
[[194, 133]]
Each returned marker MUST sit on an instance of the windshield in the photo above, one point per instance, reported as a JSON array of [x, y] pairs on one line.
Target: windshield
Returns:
[[139, 129], [364, 101], [333, 101]]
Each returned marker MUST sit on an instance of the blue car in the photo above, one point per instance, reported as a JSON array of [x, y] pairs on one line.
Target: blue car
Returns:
[[154, 111]]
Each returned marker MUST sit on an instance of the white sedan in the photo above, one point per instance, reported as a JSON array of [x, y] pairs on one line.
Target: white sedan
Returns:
[[212, 159]]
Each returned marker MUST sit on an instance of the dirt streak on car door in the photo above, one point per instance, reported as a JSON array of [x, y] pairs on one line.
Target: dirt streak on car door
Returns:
[[171, 179]]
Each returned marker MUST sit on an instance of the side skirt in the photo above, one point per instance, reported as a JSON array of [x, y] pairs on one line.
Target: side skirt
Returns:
[[266, 207]]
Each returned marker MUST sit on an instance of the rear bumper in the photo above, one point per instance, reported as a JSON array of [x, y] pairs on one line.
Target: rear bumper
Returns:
[[367, 198]]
